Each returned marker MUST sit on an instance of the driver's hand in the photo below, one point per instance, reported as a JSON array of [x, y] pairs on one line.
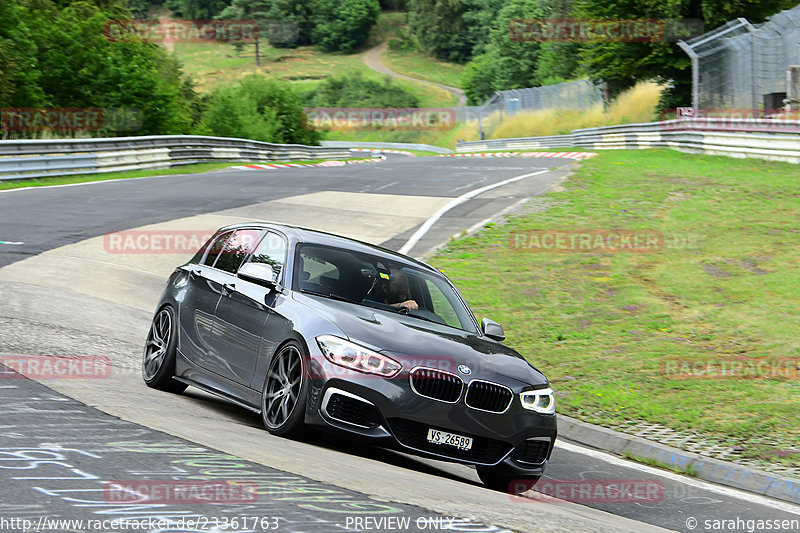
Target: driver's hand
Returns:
[[409, 304]]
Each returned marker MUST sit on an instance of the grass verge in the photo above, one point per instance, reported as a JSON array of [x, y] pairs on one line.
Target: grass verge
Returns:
[[649, 336], [689, 471]]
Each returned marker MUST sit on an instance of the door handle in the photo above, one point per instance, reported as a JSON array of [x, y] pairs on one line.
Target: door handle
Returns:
[[194, 273], [229, 287]]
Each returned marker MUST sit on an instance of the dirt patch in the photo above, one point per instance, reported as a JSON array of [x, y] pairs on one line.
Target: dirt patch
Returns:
[[716, 272]]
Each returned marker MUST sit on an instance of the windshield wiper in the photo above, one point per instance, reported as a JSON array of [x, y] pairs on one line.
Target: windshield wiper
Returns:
[[425, 318], [331, 296]]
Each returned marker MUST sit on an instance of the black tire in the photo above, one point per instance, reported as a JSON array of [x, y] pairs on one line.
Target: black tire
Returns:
[[504, 481], [158, 360], [283, 398]]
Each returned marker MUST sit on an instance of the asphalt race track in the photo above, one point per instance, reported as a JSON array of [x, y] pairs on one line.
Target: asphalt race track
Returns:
[[67, 291]]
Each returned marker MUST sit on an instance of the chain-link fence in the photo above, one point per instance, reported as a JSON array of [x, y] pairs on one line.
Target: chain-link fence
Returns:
[[580, 94], [743, 65]]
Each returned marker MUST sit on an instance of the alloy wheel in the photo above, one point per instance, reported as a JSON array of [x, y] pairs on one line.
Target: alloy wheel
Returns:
[[282, 390], [158, 341]]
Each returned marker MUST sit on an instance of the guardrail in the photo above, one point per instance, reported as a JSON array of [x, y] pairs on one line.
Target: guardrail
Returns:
[[21, 159], [775, 139], [388, 146]]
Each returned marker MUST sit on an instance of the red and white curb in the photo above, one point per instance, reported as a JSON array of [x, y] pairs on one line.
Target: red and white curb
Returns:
[[268, 166], [402, 152], [562, 155]]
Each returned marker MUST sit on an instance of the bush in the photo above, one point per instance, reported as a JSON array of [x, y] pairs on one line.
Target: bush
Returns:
[[260, 109], [353, 90]]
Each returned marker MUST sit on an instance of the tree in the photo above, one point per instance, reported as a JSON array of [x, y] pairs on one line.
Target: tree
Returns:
[[59, 57], [260, 10], [621, 64], [507, 63], [478, 79], [440, 29], [19, 73], [196, 9], [343, 25], [276, 25]]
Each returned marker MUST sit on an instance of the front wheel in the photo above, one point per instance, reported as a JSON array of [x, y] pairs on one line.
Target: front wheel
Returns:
[[158, 361], [283, 399], [505, 481]]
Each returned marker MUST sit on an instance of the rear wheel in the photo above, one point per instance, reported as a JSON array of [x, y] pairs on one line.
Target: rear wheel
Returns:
[[283, 399], [504, 481], [158, 361]]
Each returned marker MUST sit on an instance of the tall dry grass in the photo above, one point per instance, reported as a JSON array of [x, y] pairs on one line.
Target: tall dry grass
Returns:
[[637, 104]]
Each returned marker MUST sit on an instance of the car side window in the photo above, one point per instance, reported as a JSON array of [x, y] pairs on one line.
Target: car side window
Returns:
[[236, 249], [272, 251], [215, 247], [314, 271]]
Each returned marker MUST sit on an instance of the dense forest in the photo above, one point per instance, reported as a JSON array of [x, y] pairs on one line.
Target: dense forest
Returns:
[[53, 53]]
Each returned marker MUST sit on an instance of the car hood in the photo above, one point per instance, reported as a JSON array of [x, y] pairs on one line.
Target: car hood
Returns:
[[415, 342]]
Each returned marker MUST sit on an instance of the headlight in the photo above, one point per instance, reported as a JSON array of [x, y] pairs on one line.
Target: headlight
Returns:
[[542, 401], [350, 355]]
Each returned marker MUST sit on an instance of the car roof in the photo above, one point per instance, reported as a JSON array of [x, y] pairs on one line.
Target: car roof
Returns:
[[311, 236]]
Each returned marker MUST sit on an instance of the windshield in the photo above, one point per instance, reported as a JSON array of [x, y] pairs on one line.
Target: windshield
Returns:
[[376, 282]]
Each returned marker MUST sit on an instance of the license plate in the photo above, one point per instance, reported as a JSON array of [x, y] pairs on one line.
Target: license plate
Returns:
[[450, 439]]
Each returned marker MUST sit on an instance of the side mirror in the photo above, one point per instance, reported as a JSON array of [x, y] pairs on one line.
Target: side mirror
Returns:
[[492, 329], [260, 273]]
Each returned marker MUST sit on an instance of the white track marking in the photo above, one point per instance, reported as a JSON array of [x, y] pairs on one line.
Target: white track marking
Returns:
[[32, 188], [455, 202], [711, 487]]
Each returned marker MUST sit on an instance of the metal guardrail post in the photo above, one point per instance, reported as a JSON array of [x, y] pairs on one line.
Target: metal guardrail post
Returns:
[[695, 73]]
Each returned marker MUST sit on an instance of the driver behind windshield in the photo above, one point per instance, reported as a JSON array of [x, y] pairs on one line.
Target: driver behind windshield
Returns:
[[396, 290]]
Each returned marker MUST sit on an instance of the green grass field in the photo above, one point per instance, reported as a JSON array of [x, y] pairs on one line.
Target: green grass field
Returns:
[[622, 335], [214, 64], [423, 67], [217, 64]]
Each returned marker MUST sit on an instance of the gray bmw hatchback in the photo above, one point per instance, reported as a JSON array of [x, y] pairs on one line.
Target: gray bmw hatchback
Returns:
[[313, 329]]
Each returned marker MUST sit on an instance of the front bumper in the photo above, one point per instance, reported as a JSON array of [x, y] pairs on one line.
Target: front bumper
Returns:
[[518, 440]]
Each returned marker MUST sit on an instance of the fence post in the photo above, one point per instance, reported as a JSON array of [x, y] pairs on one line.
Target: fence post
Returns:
[[793, 87], [695, 73], [753, 70]]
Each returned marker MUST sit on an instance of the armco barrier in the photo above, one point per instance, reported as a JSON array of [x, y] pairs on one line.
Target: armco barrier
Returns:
[[388, 146], [59, 157], [774, 139]]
